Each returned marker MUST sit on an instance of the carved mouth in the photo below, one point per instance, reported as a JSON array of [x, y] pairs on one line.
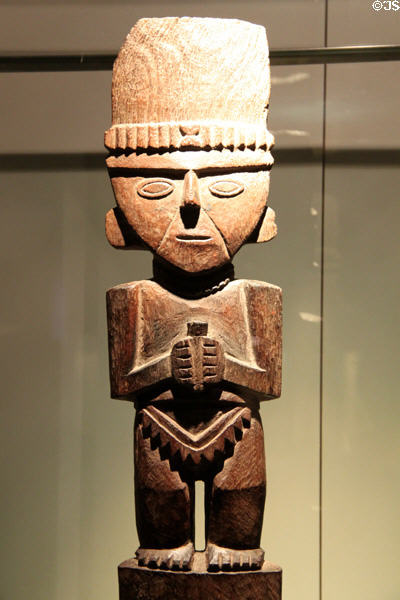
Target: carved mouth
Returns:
[[188, 237]]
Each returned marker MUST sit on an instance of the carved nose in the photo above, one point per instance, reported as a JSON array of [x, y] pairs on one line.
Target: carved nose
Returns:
[[190, 205]]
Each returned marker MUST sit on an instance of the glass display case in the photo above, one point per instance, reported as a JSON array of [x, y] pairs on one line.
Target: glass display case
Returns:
[[331, 518]]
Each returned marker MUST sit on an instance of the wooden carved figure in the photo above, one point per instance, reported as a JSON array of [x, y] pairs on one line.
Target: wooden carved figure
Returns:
[[195, 349]]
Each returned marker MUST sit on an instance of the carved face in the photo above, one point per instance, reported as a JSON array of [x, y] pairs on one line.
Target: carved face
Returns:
[[194, 218]]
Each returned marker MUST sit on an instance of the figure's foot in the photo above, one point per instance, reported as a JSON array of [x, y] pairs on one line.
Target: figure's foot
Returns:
[[173, 559], [227, 559]]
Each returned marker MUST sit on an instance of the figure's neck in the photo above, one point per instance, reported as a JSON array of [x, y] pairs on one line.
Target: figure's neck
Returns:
[[188, 285]]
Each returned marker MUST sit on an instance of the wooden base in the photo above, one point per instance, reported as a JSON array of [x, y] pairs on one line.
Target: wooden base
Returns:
[[141, 583]]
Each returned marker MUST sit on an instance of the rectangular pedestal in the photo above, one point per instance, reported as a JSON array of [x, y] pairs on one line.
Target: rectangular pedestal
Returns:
[[141, 583]]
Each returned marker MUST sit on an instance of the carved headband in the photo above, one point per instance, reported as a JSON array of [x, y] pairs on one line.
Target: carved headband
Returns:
[[188, 134]]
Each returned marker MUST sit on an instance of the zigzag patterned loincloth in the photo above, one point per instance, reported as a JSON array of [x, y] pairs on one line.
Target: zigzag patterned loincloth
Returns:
[[168, 435]]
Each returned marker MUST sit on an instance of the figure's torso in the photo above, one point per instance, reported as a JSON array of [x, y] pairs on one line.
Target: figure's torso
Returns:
[[146, 322]]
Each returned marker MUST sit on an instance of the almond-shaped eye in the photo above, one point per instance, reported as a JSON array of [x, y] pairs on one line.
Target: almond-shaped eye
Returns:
[[155, 188], [226, 188]]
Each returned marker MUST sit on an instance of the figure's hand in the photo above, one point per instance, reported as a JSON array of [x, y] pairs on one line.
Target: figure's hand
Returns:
[[197, 361]]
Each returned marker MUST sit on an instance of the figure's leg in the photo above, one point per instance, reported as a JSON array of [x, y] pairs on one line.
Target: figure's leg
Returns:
[[163, 510], [236, 505]]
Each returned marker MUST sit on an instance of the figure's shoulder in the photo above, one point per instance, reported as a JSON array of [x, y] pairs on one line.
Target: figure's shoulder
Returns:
[[131, 287], [120, 292], [250, 285], [259, 296], [137, 295]]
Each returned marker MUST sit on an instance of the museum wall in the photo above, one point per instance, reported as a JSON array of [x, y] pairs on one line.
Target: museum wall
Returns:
[[331, 517]]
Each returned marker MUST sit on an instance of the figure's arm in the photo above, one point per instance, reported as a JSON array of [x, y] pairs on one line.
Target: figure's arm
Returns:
[[154, 371], [207, 365], [245, 375], [200, 361], [125, 338], [264, 313]]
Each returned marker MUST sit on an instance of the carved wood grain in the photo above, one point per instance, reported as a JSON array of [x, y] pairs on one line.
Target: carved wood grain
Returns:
[[138, 583], [195, 349]]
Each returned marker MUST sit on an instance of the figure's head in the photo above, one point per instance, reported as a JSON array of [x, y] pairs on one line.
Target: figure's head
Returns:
[[189, 149]]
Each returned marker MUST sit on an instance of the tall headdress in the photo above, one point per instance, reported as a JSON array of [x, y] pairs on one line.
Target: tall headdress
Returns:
[[191, 84]]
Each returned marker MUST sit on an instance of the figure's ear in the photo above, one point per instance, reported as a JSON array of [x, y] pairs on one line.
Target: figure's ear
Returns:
[[119, 233], [268, 229]]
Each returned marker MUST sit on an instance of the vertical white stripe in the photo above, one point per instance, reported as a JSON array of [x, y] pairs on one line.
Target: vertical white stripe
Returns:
[[199, 517]]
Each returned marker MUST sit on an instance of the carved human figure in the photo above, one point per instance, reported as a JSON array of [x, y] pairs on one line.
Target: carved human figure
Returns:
[[194, 348]]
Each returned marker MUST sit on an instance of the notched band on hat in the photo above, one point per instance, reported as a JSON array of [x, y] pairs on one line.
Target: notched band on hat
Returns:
[[191, 135]]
